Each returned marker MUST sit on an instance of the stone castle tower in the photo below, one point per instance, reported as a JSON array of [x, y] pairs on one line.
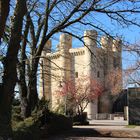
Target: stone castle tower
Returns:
[[69, 63]]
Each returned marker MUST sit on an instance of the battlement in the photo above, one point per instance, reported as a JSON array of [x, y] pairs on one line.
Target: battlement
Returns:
[[53, 55], [72, 51], [77, 51], [90, 45], [111, 44]]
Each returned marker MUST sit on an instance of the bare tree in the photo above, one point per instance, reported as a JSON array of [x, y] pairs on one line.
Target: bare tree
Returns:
[[22, 72], [132, 74], [66, 16], [4, 11], [10, 77], [132, 71], [46, 19]]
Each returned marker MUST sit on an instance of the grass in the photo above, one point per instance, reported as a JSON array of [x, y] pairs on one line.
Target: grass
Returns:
[[130, 126], [40, 124], [27, 129]]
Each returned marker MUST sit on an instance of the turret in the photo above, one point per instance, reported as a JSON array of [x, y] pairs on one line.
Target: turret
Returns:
[[65, 61], [117, 62], [45, 65], [46, 49], [106, 43], [117, 45], [65, 42], [90, 40], [112, 62], [117, 53], [65, 58], [47, 46]]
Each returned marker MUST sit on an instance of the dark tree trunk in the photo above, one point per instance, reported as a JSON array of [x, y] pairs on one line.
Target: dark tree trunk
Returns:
[[22, 85], [4, 11], [22, 74], [10, 74], [29, 96], [32, 92], [28, 93], [23, 91]]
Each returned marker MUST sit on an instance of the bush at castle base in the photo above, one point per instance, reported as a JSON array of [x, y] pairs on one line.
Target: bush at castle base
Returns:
[[56, 123], [40, 124], [80, 119]]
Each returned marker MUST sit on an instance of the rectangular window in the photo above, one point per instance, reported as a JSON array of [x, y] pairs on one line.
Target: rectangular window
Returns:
[[60, 84], [98, 74], [115, 62], [76, 74]]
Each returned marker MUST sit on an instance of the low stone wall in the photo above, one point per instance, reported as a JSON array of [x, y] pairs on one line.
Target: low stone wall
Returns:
[[106, 116]]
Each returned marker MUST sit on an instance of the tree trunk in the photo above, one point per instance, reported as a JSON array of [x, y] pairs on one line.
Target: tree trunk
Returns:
[[10, 74], [32, 91], [4, 11], [28, 93], [23, 91], [29, 96], [22, 74]]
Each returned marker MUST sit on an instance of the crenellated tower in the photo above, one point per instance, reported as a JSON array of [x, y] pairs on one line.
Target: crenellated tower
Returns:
[[92, 61], [65, 58], [117, 59], [45, 70], [90, 40], [117, 50], [112, 64]]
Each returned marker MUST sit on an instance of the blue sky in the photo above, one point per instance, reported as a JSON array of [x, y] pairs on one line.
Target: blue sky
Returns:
[[130, 34]]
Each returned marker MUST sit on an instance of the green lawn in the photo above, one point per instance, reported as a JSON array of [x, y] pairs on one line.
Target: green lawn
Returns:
[[130, 126]]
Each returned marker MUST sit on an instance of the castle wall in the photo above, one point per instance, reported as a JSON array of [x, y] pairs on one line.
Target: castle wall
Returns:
[[55, 80], [112, 63], [78, 63], [45, 67], [69, 63]]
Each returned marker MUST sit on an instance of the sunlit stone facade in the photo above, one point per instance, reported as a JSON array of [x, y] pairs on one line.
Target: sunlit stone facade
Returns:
[[69, 63]]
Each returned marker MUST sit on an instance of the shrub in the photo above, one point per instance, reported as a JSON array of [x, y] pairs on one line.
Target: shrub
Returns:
[[24, 129], [16, 117], [81, 123], [42, 123], [55, 123], [80, 119], [27, 129]]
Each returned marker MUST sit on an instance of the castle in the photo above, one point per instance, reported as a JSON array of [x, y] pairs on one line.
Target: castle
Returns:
[[68, 62]]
